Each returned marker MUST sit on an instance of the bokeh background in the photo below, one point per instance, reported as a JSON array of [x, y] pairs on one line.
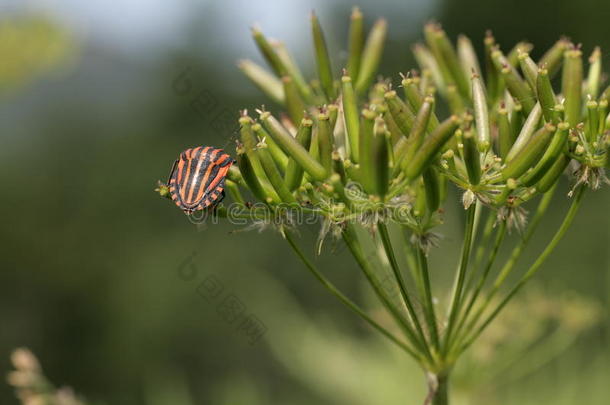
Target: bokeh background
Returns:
[[99, 276]]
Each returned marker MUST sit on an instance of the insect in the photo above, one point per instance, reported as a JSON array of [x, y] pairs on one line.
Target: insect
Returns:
[[197, 178]]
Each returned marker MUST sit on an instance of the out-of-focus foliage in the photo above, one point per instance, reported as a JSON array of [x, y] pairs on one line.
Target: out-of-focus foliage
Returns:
[[32, 46]]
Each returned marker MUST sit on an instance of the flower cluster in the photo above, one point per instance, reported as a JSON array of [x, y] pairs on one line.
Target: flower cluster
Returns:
[[354, 151]]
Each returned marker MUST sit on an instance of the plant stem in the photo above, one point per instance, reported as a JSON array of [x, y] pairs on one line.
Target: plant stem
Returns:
[[567, 221], [490, 261], [438, 389], [351, 240], [515, 254], [460, 276], [345, 300], [387, 244], [422, 262]]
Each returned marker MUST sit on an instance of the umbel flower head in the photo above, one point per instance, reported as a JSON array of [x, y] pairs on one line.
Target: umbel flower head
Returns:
[[377, 155]]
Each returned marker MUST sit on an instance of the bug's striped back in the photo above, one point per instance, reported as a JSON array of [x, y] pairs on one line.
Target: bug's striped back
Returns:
[[197, 179]]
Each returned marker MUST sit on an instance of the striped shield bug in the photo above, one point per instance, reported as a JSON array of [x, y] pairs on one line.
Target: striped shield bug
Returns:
[[197, 178]]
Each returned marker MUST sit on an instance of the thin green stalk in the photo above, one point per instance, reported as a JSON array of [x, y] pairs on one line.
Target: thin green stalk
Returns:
[[351, 240], [515, 255], [454, 307], [412, 262], [387, 244], [481, 244], [490, 261], [422, 264], [567, 221], [345, 300]]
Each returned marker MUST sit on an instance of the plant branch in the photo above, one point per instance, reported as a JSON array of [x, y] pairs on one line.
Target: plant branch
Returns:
[[387, 244], [344, 299], [534, 267], [460, 276], [351, 240]]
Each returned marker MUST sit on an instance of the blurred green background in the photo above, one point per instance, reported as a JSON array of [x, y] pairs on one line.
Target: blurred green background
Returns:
[[100, 277]]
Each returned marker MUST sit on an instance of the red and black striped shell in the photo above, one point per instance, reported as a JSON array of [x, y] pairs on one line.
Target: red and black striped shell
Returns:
[[198, 177]]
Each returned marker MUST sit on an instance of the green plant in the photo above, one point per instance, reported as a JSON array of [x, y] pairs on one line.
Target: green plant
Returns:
[[374, 165]]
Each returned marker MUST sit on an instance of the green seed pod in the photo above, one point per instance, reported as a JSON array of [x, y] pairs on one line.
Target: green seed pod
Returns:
[[234, 192], [417, 134], [468, 56], [401, 112], [325, 72], [527, 131], [519, 48], [595, 73], [294, 171], [592, 124], [556, 148], [293, 71], [529, 69], [416, 99], [447, 58], [431, 147], [263, 79], [351, 117], [352, 171], [529, 154], [273, 174], [419, 208], [514, 82], [371, 55], [472, 157], [400, 149], [325, 141], [427, 62], [495, 84], [571, 86], [268, 52], [235, 175], [294, 103], [356, 42], [456, 103], [551, 176], [396, 134], [339, 189], [552, 59], [339, 167], [250, 177], [333, 112], [293, 149], [380, 157], [546, 96], [278, 156], [505, 133], [602, 113], [481, 114], [367, 164], [517, 118], [432, 187], [249, 142]]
